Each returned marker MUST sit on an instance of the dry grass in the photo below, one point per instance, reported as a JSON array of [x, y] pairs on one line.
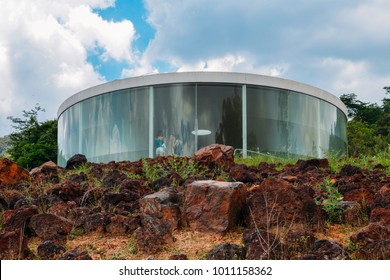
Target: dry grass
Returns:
[[108, 247], [338, 232]]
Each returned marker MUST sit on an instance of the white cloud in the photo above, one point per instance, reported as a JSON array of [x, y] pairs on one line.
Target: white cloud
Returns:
[[371, 18], [5, 81], [341, 46], [93, 32], [232, 63], [355, 77], [225, 63], [44, 47]]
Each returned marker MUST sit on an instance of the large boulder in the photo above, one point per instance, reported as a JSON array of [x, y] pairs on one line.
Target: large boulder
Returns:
[[161, 207], [113, 200], [151, 238], [11, 173], [372, 241], [276, 202], [18, 219], [226, 251], [75, 161], [160, 216], [216, 155], [51, 227], [327, 250], [95, 222], [213, 205], [46, 172]]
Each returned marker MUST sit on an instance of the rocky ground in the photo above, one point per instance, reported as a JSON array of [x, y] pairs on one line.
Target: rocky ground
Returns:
[[205, 207]]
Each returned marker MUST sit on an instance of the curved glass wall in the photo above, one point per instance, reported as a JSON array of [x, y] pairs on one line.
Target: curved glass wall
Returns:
[[288, 123], [112, 126], [178, 119]]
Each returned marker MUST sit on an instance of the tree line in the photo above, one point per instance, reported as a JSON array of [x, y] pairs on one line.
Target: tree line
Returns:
[[368, 128], [33, 142]]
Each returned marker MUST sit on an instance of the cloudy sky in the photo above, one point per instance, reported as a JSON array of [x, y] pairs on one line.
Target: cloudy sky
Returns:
[[51, 49]]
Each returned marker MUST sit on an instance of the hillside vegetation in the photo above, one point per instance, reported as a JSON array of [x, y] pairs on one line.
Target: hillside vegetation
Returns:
[[306, 209]]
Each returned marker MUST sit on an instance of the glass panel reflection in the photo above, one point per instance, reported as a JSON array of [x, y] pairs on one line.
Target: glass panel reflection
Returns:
[[287, 123], [220, 113], [174, 120], [107, 127]]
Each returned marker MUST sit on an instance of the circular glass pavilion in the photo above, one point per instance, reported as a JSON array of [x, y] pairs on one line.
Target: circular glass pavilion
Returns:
[[178, 113]]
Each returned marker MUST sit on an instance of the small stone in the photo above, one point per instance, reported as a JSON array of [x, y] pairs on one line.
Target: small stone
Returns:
[[216, 155], [50, 250], [75, 161], [76, 255], [226, 251]]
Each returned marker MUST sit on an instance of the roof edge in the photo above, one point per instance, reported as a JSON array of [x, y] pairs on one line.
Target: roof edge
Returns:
[[205, 77]]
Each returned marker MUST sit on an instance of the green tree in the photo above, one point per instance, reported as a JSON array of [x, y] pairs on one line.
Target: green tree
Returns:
[[363, 139], [362, 111], [368, 127], [33, 142]]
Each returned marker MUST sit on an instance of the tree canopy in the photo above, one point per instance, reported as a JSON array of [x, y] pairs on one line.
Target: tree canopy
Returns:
[[33, 142], [368, 128]]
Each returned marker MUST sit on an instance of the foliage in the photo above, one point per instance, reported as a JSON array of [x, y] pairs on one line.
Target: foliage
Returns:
[[363, 139], [185, 167], [257, 159], [5, 144], [33, 142], [368, 129], [331, 201], [152, 171], [84, 167]]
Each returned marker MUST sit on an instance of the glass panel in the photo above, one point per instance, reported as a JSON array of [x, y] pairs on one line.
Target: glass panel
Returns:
[[219, 115], [68, 134], [108, 127], [174, 114], [287, 123]]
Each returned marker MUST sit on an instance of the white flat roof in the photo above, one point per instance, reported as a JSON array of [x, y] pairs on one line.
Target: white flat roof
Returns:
[[201, 77]]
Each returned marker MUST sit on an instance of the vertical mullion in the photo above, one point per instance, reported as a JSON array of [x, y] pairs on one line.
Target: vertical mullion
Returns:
[[151, 121], [244, 123]]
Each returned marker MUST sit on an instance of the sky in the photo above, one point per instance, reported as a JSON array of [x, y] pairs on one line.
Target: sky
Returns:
[[50, 50]]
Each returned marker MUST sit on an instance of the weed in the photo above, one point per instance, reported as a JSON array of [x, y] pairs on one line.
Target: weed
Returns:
[[363, 161], [76, 232], [257, 159], [132, 175], [132, 247], [116, 188], [183, 167], [331, 201], [84, 167], [117, 256], [152, 171]]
